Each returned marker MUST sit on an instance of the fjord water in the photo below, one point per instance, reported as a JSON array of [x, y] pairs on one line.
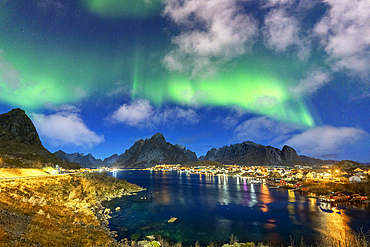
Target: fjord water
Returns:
[[211, 208]]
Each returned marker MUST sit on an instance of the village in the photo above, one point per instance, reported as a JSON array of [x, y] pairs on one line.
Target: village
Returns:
[[302, 178], [326, 183]]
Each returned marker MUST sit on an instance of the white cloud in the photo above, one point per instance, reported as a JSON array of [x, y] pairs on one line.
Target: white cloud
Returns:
[[344, 33], [315, 80], [264, 129], [178, 114], [282, 30], [318, 142], [281, 2], [325, 140], [136, 114], [232, 119], [141, 113], [65, 128], [211, 29], [63, 108]]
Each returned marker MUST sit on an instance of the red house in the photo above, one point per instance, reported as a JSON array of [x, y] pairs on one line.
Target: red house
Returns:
[[297, 185]]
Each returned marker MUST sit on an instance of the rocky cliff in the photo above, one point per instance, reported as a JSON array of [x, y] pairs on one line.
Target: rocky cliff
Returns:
[[249, 153], [16, 126], [153, 151], [20, 145]]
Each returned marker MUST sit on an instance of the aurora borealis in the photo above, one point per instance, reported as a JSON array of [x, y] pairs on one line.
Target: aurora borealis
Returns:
[[204, 73]]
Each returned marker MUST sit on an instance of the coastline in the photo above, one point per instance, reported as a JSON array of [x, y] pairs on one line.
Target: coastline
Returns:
[[59, 211]]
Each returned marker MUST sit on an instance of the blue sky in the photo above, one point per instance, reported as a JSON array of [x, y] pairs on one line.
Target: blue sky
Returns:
[[95, 76]]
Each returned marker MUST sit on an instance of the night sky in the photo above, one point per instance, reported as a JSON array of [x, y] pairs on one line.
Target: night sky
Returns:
[[97, 75]]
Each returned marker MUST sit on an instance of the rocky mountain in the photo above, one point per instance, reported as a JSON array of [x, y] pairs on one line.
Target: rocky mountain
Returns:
[[83, 160], [20, 145], [16, 126], [153, 151], [317, 162], [110, 160], [348, 165], [249, 153]]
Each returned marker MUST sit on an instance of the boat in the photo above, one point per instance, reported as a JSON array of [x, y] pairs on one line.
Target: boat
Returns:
[[326, 210], [331, 210], [255, 182], [311, 196], [172, 220]]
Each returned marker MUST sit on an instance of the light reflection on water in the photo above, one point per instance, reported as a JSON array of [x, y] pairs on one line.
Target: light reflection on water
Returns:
[[211, 208]]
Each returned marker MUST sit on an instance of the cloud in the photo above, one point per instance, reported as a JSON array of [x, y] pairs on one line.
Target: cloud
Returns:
[[141, 113], [136, 114], [325, 140], [344, 34], [282, 29], [264, 129], [65, 128], [210, 30], [318, 142], [63, 108], [232, 119], [178, 114], [314, 81]]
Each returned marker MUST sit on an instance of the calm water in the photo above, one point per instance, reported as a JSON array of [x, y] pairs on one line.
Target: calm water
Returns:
[[210, 209]]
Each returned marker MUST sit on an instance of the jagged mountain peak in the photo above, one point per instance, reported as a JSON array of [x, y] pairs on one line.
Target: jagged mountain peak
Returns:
[[17, 126], [158, 137], [154, 151], [250, 153], [19, 138]]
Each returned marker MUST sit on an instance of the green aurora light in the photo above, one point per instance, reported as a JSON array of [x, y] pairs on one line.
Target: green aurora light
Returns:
[[60, 72], [259, 94], [123, 8]]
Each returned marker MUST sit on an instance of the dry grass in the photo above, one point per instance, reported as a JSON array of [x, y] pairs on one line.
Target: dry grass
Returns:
[[56, 211], [10, 173]]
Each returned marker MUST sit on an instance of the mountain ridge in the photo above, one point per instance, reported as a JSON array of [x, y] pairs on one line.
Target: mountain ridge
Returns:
[[249, 153]]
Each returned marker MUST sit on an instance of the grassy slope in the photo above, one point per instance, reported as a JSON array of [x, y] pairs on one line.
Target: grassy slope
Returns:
[[56, 211], [14, 154], [9, 173]]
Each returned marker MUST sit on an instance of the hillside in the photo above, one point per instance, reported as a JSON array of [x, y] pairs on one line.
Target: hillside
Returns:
[[20, 145], [14, 172], [348, 165], [58, 211]]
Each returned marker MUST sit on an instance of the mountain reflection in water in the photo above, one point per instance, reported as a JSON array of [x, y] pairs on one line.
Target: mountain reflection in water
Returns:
[[211, 208]]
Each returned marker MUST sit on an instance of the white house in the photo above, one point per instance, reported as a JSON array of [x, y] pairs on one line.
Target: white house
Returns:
[[354, 179]]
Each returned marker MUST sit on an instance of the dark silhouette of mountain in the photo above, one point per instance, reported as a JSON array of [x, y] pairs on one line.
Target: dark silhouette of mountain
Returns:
[[20, 145], [249, 153], [83, 160], [317, 162], [16, 126], [154, 151]]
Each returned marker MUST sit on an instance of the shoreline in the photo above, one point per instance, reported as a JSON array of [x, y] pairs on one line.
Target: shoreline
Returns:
[[59, 211]]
